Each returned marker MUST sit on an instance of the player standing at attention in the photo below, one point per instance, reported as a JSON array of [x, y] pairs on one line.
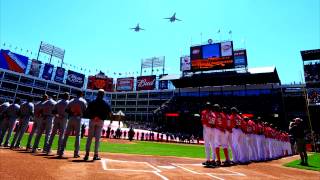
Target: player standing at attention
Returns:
[[3, 107], [60, 121], [237, 135], [45, 124], [26, 113], [12, 113], [227, 142], [219, 134], [76, 109], [98, 111], [208, 122]]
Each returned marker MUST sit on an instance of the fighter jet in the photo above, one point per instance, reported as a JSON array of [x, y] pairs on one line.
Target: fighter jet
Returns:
[[137, 28], [173, 18]]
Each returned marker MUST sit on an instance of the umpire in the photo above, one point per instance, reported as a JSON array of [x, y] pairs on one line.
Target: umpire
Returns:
[[98, 111]]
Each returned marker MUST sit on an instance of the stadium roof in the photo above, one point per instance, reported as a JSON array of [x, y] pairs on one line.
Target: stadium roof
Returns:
[[259, 75]]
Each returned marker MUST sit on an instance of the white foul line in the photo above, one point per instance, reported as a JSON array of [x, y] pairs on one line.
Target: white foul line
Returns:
[[156, 170], [186, 169], [214, 176], [240, 174]]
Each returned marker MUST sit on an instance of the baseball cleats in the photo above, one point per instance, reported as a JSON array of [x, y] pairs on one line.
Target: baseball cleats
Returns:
[[96, 157], [207, 163], [86, 157], [76, 156]]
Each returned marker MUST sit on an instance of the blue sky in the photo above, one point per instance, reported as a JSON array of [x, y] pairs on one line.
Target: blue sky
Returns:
[[96, 35]]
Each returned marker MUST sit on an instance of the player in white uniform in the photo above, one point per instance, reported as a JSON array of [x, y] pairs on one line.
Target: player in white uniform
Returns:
[[26, 113], [60, 121], [45, 124], [12, 113], [76, 109]]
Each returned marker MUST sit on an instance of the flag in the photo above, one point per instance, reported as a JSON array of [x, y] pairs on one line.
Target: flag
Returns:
[[230, 32], [218, 31]]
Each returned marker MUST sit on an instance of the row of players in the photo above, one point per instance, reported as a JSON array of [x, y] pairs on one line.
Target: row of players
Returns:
[[249, 140], [50, 117]]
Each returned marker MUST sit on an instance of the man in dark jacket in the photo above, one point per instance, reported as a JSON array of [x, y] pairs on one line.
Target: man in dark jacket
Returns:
[[297, 130], [98, 111]]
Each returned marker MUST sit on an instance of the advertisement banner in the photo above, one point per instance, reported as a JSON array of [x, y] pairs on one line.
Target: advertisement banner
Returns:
[[164, 83], [96, 83], [47, 71], [226, 48], [240, 58], [185, 63], [35, 68], [75, 79], [125, 84], [146, 83], [59, 75], [12, 61]]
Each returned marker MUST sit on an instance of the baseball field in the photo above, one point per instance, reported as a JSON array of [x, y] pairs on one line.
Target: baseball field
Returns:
[[122, 159]]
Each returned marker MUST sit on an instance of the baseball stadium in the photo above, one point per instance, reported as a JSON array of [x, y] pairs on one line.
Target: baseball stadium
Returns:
[[213, 115]]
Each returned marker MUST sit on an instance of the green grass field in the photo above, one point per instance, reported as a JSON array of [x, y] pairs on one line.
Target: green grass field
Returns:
[[138, 147], [313, 161]]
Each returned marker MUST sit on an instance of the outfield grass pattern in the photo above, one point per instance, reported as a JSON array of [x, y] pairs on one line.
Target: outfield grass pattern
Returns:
[[137, 147], [313, 161]]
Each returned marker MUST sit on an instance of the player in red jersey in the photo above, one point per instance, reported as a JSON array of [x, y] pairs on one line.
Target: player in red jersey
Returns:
[[237, 135], [208, 123]]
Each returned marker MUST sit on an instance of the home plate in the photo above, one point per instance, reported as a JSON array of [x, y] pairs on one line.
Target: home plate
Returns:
[[167, 167]]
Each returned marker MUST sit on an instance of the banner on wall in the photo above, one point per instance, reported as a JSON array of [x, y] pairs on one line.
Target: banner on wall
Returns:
[[35, 68], [47, 71], [96, 82], [125, 84], [12, 61], [146, 83], [59, 75], [75, 79]]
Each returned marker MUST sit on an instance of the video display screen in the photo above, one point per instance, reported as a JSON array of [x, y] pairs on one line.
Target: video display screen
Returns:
[[215, 56]]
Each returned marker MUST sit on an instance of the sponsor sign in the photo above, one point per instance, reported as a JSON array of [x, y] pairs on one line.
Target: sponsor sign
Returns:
[[59, 75], [125, 84], [146, 83], [12, 61], [47, 71], [75, 79], [96, 83], [240, 58]]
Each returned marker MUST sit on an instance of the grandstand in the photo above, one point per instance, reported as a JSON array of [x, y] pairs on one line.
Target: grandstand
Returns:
[[255, 91]]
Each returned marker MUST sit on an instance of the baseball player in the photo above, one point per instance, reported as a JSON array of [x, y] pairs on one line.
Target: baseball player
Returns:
[[237, 135], [260, 140], [3, 107], [45, 123], [60, 121], [207, 121], [244, 158], [252, 140], [76, 109], [36, 122], [219, 134], [98, 111], [229, 124], [26, 113], [12, 113]]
